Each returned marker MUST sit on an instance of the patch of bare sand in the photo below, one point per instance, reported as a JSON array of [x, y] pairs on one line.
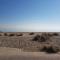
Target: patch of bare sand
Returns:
[[8, 51], [18, 54], [15, 51]]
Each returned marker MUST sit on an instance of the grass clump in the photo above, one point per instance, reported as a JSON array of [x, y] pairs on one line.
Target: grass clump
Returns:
[[55, 34], [5, 34], [11, 34], [50, 49], [41, 38], [49, 34], [37, 38], [31, 33], [1, 35], [20, 34]]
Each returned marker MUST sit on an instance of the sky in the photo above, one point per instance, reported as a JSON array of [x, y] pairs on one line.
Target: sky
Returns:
[[30, 15]]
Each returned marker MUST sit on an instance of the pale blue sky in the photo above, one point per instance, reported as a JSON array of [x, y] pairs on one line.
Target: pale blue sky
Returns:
[[30, 15]]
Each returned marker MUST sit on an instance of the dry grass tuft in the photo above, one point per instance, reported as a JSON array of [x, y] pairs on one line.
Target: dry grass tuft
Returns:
[[41, 38], [55, 34], [31, 33], [5, 34], [37, 38], [19, 34], [11, 34], [50, 49], [49, 34], [1, 35]]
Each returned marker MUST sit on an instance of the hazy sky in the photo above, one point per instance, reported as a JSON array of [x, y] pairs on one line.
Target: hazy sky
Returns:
[[30, 15]]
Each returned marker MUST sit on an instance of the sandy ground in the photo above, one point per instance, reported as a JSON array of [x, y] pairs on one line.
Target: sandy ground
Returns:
[[25, 41], [13, 47], [17, 54]]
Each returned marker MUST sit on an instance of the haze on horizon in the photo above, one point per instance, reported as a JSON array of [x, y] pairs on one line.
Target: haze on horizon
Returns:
[[30, 15]]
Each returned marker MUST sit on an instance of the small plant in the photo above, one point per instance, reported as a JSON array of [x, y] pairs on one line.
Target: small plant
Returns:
[[41, 38], [31, 33], [11, 34], [50, 34], [20, 34], [5, 34], [55, 34], [45, 37], [0, 34], [50, 49], [36, 38], [43, 49]]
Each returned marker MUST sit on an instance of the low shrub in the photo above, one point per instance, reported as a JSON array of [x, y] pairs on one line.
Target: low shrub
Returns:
[[43, 49], [0, 34], [49, 34], [31, 33], [41, 38], [55, 34], [5, 34], [11, 34], [50, 49], [36, 38], [20, 34]]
